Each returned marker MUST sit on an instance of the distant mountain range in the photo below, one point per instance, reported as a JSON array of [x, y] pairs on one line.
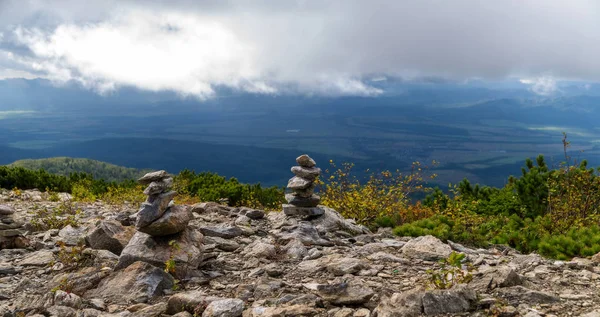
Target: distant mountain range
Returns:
[[479, 130]]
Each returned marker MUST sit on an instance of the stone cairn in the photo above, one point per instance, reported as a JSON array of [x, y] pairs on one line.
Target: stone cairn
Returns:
[[302, 201], [162, 229], [159, 216], [11, 233]]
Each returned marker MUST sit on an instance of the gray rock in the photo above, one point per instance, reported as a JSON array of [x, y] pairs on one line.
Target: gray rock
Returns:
[[312, 201], [157, 187], [305, 161], [38, 258], [345, 266], [427, 248], [6, 210], [310, 173], [294, 211], [63, 298], [307, 192], [260, 250], [8, 268], [516, 295], [342, 293], [407, 304], [138, 283], [72, 235], [452, 301], [299, 183], [332, 221], [156, 310], [594, 313], [11, 233], [61, 311], [110, 235], [153, 208], [225, 232], [222, 244], [191, 302], [304, 232], [296, 250], [152, 177], [229, 307], [255, 214], [157, 250], [243, 220], [174, 220], [494, 277], [81, 281]]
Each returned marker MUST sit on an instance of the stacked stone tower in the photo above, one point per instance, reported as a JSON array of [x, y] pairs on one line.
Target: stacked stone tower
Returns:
[[302, 201], [159, 216], [11, 233], [162, 230]]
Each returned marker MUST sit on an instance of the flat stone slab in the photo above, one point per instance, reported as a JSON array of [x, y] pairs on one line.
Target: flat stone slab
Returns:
[[310, 173], [38, 258], [299, 201], [294, 211], [299, 183], [174, 220], [153, 177]]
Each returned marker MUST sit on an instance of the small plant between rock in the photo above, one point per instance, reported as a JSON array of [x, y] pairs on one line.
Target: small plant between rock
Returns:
[[66, 213], [65, 286], [73, 257], [170, 263], [451, 272]]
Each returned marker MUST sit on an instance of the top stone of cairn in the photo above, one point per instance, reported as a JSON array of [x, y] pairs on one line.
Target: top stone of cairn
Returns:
[[305, 161], [153, 177]]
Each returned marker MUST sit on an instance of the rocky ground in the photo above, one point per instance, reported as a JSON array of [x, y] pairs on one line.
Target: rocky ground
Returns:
[[266, 264]]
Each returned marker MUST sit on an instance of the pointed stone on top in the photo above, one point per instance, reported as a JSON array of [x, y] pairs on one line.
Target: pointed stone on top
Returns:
[[153, 176], [305, 161]]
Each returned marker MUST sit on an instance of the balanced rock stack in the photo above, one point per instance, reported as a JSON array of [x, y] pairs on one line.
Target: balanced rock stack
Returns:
[[159, 216], [162, 229], [11, 235], [302, 201]]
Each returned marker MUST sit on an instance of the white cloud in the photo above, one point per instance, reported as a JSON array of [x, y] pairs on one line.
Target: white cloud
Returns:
[[316, 47], [187, 53], [8, 73], [544, 86]]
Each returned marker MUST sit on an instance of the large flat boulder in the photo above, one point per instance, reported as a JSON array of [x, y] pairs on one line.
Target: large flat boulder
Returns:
[[138, 283], [185, 248]]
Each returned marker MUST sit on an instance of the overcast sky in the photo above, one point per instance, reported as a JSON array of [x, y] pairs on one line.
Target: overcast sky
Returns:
[[313, 47]]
